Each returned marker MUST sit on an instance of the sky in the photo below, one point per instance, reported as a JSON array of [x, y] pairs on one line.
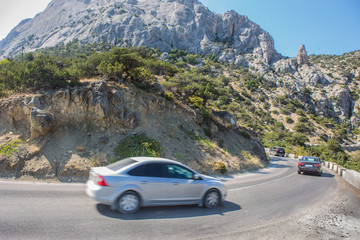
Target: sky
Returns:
[[323, 26]]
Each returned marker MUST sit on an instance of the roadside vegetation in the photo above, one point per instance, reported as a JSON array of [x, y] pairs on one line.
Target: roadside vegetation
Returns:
[[9, 148], [198, 81], [138, 145]]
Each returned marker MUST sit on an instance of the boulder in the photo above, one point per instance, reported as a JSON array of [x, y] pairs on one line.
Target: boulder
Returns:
[[41, 123]]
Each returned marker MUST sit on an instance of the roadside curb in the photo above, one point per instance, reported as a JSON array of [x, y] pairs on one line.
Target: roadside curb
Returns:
[[350, 176]]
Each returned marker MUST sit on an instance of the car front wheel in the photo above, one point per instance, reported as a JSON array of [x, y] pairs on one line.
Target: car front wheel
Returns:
[[128, 202], [212, 198]]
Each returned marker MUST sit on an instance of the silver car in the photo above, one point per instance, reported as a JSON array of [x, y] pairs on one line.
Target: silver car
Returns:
[[132, 183]]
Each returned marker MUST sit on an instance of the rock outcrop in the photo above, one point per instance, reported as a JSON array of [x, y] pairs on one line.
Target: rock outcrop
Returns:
[[302, 56]]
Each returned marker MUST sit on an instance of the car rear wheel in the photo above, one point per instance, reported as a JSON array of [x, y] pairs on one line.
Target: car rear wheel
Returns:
[[212, 198], [128, 202]]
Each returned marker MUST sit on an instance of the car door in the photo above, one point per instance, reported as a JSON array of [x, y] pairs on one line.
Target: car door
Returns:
[[152, 182], [182, 185]]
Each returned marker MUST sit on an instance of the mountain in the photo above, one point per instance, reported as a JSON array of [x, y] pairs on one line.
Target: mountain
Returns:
[[162, 24], [188, 25]]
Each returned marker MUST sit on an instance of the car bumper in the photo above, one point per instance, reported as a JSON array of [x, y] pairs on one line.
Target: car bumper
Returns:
[[310, 169], [99, 193]]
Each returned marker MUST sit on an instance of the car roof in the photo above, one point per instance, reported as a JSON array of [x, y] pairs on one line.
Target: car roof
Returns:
[[152, 159]]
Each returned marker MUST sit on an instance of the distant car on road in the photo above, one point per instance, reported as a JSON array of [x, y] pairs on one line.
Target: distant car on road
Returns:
[[310, 165], [277, 151], [132, 183]]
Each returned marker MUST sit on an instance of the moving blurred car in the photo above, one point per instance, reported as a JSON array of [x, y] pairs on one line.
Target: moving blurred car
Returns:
[[277, 151], [132, 183], [310, 165]]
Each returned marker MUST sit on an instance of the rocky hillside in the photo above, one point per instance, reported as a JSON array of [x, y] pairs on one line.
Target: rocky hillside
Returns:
[[162, 24], [60, 134], [188, 25]]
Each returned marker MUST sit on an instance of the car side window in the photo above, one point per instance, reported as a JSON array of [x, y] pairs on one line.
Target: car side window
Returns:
[[149, 170], [176, 171]]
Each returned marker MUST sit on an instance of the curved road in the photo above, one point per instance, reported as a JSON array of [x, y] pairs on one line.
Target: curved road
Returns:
[[63, 211]]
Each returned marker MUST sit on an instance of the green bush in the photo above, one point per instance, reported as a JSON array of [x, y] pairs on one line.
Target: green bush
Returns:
[[169, 96], [300, 112], [282, 99], [284, 111], [262, 98], [334, 146], [245, 134], [136, 146], [9, 148], [289, 120], [266, 106], [290, 107], [303, 119], [303, 128], [220, 167]]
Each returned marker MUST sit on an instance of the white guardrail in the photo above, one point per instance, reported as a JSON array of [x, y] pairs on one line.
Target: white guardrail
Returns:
[[350, 176]]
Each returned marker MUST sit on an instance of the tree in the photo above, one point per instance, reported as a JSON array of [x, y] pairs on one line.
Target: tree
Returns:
[[334, 146]]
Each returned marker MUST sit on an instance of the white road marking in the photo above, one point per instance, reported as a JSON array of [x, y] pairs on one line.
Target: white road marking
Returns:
[[260, 184]]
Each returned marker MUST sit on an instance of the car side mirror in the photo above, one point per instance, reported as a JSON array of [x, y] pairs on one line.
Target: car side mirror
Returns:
[[197, 177]]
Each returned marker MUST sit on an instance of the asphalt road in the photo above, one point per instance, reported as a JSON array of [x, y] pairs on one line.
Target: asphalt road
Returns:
[[273, 195]]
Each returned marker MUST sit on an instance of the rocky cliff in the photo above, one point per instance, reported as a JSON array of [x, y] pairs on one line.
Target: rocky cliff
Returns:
[[162, 24]]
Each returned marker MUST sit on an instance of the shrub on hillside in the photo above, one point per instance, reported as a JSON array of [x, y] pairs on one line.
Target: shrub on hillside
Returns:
[[303, 128], [284, 111], [136, 146], [220, 167], [300, 112], [289, 120], [262, 98]]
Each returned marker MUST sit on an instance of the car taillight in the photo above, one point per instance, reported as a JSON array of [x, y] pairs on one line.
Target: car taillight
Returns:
[[316, 165], [101, 181], [301, 164]]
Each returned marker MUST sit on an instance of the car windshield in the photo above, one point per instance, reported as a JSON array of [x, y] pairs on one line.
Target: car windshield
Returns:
[[120, 164], [310, 159]]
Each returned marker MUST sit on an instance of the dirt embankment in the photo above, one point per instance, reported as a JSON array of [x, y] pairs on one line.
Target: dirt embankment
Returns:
[[63, 133]]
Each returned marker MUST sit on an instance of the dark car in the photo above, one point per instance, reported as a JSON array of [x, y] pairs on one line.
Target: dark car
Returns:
[[310, 165], [277, 151]]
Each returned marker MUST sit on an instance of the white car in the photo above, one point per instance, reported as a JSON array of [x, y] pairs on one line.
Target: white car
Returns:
[[132, 183]]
